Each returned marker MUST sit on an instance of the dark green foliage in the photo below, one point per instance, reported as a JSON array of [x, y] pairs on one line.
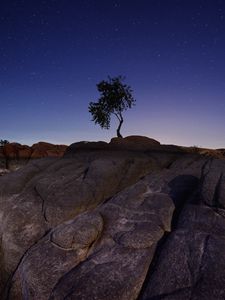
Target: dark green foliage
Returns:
[[3, 142], [115, 97]]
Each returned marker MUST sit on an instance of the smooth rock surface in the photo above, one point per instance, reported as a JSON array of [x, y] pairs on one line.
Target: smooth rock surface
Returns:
[[106, 223]]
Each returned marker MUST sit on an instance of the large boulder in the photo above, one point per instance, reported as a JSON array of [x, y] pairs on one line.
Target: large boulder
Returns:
[[134, 221], [43, 149], [17, 151], [85, 146], [65, 247], [49, 192], [14, 155], [134, 142], [114, 223], [129, 143], [193, 253], [115, 240]]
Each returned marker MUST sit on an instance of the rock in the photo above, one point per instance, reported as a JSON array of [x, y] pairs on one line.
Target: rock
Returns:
[[134, 142], [2, 159], [43, 149], [10, 150], [192, 253], [3, 172], [114, 223], [14, 155], [36, 201], [193, 257], [21, 216], [129, 143], [85, 146], [64, 247], [125, 246], [213, 185]]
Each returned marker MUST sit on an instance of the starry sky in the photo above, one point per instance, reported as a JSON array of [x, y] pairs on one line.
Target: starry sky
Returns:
[[54, 52]]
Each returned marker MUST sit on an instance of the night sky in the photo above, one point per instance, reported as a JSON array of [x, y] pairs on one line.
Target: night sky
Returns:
[[172, 52]]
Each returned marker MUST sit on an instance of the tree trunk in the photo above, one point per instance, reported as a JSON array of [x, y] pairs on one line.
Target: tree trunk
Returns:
[[118, 129]]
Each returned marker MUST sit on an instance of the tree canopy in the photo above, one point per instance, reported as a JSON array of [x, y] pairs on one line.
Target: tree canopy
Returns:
[[3, 142], [115, 97]]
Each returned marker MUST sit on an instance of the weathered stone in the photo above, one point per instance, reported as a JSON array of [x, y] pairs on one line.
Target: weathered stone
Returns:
[[63, 248], [134, 142], [85, 146], [14, 155], [103, 222], [192, 254], [118, 264]]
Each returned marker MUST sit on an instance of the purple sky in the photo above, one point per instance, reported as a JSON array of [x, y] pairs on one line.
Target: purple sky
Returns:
[[52, 54]]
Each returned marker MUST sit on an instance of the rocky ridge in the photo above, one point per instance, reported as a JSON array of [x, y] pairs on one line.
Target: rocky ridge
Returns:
[[131, 219], [14, 155]]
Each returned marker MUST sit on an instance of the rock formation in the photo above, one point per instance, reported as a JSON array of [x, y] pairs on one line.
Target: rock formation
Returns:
[[131, 219], [14, 155]]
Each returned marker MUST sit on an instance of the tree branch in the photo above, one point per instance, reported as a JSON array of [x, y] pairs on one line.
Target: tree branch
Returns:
[[118, 116], [121, 117]]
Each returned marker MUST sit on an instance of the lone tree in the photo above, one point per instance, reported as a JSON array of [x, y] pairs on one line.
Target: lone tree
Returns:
[[115, 97]]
